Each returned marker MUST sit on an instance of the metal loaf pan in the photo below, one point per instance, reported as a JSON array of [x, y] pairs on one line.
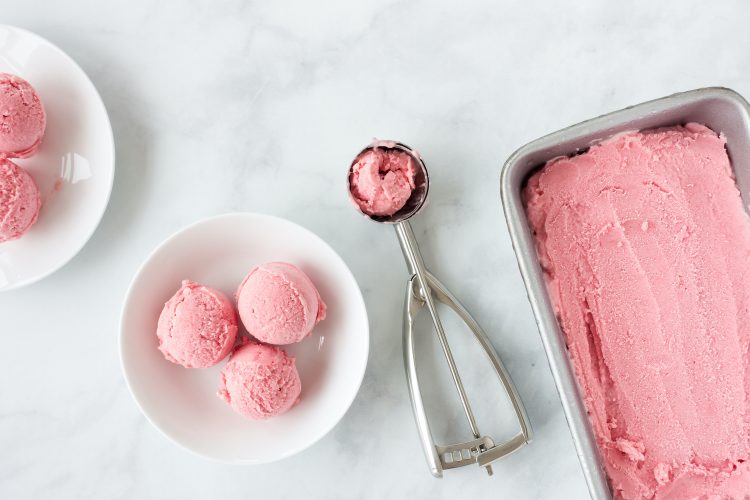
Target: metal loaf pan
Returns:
[[720, 109]]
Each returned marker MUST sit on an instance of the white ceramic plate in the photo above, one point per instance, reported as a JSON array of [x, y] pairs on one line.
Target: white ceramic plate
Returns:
[[182, 403], [74, 167]]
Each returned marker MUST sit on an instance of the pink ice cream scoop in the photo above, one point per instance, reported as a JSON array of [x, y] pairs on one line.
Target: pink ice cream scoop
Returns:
[[22, 117], [279, 304], [19, 201], [197, 327], [260, 381], [382, 179]]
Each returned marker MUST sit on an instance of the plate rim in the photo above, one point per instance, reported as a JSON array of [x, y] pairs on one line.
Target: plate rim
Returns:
[[121, 336], [112, 147]]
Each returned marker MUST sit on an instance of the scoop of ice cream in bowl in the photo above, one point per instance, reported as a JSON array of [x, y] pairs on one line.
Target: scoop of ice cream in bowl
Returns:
[[22, 117], [20, 201], [279, 304]]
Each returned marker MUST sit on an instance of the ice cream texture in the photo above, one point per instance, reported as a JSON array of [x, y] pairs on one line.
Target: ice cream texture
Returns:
[[279, 304], [260, 381], [20, 201], [197, 327], [382, 180], [645, 244], [22, 117]]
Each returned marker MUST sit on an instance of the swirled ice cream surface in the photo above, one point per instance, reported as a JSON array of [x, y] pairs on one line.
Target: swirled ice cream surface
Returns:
[[645, 246]]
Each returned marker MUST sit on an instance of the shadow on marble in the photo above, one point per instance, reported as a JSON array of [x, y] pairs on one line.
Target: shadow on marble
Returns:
[[132, 170]]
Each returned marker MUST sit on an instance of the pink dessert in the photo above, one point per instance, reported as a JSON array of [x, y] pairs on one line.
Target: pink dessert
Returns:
[[645, 245], [22, 117], [260, 381], [19, 201], [278, 303], [197, 327], [382, 180]]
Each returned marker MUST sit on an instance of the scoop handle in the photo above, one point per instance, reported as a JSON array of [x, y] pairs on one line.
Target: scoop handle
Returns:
[[420, 290], [416, 267]]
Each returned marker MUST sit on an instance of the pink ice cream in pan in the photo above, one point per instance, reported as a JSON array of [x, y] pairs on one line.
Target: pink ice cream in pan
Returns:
[[644, 243]]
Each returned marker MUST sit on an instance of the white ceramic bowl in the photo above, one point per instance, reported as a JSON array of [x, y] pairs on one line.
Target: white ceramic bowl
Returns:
[[182, 403], [74, 167]]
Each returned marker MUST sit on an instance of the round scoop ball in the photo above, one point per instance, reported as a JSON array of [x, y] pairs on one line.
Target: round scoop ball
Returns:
[[197, 327], [260, 381], [382, 181], [22, 117], [19, 201], [278, 304]]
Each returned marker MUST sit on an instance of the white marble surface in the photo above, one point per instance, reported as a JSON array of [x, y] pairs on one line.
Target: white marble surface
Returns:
[[259, 106]]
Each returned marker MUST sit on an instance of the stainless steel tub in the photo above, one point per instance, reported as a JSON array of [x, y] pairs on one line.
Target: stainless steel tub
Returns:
[[721, 109]]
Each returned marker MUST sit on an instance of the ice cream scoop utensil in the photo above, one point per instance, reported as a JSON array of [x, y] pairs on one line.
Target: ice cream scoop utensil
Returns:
[[423, 289]]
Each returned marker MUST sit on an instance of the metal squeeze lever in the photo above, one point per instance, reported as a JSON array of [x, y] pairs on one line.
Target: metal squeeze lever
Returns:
[[422, 290]]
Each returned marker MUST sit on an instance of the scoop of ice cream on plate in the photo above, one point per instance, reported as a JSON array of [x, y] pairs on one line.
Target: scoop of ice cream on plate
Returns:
[[260, 381], [279, 304], [19, 201], [197, 327], [22, 117]]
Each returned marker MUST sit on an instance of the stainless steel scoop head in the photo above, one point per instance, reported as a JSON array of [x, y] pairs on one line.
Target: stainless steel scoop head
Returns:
[[423, 289]]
